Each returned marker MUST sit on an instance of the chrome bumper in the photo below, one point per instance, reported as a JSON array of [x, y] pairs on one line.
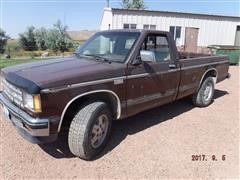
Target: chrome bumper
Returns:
[[23, 121]]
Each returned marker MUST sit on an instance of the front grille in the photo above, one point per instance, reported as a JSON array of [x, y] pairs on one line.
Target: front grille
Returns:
[[12, 92]]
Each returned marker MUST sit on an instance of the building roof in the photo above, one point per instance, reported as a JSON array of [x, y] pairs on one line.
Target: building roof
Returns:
[[178, 13], [133, 30]]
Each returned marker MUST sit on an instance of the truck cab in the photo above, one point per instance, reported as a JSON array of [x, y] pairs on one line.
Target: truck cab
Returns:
[[114, 75]]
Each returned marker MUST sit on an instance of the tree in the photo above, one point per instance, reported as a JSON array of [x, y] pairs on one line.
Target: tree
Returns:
[[3, 40], [27, 39], [138, 4], [41, 38], [64, 41], [133, 4], [55, 39], [126, 4], [58, 39], [52, 40]]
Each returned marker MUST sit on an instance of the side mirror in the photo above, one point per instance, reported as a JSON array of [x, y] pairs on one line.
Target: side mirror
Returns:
[[147, 56], [137, 61]]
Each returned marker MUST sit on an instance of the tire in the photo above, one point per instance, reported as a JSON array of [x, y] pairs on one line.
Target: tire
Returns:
[[204, 96], [87, 133]]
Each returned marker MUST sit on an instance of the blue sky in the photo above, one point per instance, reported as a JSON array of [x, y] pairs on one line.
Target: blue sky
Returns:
[[16, 15]]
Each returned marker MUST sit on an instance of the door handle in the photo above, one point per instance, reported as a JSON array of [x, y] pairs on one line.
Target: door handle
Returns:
[[172, 66]]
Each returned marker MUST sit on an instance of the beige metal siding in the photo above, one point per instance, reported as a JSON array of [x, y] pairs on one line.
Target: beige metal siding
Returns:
[[212, 30]]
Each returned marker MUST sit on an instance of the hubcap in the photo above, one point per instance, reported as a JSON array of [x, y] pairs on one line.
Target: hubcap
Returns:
[[207, 92], [99, 131]]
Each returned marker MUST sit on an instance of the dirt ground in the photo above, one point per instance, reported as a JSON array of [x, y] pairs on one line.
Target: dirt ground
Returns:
[[155, 144]]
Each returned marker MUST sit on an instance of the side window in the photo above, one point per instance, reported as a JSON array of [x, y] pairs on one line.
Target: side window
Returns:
[[159, 45], [150, 43]]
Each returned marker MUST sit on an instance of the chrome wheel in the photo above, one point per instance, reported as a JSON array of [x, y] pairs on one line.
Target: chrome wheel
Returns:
[[208, 91], [99, 131]]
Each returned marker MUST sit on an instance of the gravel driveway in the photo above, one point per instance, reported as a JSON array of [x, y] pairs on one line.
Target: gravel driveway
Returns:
[[155, 144]]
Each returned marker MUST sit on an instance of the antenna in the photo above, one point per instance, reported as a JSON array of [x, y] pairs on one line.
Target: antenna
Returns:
[[107, 3]]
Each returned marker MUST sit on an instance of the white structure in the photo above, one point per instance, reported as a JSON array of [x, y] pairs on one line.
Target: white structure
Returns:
[[191, 31]]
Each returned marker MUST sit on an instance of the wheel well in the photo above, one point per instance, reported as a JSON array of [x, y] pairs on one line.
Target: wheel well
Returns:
[[109, 98], [209, 73]]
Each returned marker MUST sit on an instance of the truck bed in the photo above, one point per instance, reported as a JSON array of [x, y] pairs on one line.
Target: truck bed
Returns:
[[186, 55], [193, 67]]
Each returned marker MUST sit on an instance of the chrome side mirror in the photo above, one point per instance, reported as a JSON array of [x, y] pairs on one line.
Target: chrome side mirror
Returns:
[[147, 56]]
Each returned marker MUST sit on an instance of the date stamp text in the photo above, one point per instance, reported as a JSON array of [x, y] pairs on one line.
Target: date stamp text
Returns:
[[203, 157]]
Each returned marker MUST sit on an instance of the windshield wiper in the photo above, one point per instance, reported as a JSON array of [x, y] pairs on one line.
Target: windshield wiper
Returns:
[[99, 57], [77, 54]]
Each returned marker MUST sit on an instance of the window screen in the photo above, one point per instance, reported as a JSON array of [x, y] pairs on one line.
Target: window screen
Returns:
[[172, 30], [175, 32], [125, 26], [178, 32], [147, 26], [152, 27], [129, 26], [133, 26]]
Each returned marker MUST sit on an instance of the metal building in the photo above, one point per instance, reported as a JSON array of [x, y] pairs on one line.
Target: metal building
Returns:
[[192, 32]]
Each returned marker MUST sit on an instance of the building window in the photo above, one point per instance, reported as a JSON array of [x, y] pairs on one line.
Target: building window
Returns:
[[175, 31], [129, 26], [147, 26]]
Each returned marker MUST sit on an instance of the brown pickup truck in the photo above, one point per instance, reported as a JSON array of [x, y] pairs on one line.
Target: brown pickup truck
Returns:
[[114, 75]]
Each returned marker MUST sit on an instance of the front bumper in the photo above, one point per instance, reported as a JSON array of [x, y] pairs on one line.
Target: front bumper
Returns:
[[32, 129]]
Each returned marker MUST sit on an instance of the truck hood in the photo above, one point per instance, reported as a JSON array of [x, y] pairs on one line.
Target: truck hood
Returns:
[[60, 72]]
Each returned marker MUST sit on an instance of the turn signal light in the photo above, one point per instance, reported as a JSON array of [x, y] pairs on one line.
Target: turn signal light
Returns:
[[37, 103]]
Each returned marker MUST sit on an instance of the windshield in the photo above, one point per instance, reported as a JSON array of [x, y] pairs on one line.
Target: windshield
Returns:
[[109, 46]]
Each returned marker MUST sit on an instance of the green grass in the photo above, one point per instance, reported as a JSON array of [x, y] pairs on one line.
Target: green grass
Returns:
[[11, 62]]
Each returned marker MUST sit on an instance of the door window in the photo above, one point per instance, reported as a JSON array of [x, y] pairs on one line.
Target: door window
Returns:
[[159, 45]]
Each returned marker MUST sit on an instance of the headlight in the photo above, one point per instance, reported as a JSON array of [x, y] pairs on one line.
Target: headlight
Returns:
[[32, 102], [21, 98]]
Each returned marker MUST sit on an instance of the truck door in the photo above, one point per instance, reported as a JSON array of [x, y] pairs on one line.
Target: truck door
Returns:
[[150, 84]]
